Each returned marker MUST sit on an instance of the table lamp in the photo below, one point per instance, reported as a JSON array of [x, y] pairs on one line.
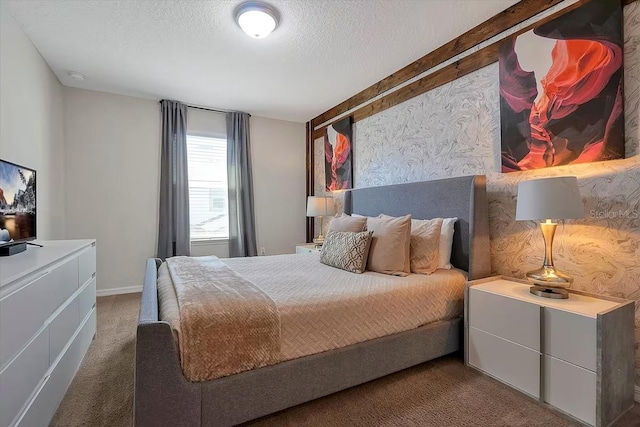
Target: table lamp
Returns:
[[546, 200], [320, 206]]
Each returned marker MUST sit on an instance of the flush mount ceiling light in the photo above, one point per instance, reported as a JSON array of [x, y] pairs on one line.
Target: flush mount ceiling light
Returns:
[[257, 19], [76, 76]]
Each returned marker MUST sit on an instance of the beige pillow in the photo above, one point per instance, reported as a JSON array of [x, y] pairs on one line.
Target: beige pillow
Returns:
[[343, 222], [425, 245], [345, 250], [390, 245], [355, 215]]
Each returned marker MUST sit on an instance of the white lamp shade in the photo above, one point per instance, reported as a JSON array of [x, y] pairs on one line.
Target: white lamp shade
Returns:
[[549, 198], [320, 206]]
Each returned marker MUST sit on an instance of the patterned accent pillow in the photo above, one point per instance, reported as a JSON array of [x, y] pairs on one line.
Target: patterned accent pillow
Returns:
[[346, 250]]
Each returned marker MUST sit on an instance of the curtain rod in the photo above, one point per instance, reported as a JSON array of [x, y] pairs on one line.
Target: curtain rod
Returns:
[[206, 109]]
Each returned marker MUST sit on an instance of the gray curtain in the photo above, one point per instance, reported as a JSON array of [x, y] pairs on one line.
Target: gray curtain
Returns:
[[242, 230], [173, 233]]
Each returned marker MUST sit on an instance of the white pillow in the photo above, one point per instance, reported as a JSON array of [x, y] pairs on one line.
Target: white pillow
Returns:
[[446, 242]]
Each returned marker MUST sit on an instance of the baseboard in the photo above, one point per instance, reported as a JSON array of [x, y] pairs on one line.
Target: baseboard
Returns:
[[118, 291], [636, 395]]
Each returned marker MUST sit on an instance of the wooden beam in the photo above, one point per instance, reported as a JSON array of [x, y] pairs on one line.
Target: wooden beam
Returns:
[[506, 19], [451, 72], [310, 225], [445, 75]]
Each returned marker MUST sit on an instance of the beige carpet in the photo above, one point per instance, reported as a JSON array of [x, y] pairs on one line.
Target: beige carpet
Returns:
[[439, 393]]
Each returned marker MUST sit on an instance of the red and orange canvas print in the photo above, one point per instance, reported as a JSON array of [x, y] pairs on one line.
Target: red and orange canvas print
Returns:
[[561, 90], [338, 165]]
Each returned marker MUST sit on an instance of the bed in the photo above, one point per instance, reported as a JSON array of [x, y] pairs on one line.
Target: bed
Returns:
[[317, 367]]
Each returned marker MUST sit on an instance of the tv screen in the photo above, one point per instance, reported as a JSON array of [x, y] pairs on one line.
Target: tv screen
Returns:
[[17, 202]]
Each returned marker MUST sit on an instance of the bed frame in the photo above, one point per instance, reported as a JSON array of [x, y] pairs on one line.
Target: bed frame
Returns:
[[163, 397]]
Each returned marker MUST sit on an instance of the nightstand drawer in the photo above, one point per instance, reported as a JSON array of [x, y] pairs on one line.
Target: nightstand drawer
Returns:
[[570, 337], [512, 363], [570, 388], [508, 318], [307, 249]]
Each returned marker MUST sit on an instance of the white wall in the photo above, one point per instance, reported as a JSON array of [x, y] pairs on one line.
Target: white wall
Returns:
[[278, 156], [31, 122], [112, 178], [97, 158]]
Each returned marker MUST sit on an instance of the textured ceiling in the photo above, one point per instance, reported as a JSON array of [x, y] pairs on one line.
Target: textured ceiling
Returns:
[[323, 52]]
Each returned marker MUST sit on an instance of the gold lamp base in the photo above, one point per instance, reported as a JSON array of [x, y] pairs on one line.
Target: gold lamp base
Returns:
[[319, 241], [549, 276], [550, 283], [555, 293]]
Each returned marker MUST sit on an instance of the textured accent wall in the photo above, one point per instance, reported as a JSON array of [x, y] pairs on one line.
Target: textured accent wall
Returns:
[[454, 130]]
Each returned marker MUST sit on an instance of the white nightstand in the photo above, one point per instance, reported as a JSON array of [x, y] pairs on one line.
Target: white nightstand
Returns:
[[305, 248], [576, 354]]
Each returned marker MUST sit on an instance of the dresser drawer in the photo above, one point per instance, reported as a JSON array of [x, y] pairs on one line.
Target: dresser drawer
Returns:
[[23, 312], [570, 388], [87, 264], [87, 299], [512, 363], [570, 337], [22, 376], [65, 285], [508, 318], [45, 403], [62, 329]]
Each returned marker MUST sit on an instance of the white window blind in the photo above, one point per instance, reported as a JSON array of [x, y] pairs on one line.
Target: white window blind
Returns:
[[208, 198]]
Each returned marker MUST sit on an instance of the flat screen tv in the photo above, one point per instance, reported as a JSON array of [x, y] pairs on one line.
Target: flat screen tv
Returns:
[[17, 202]]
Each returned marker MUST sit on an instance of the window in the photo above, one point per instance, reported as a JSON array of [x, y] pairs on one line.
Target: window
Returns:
[[208, 199]]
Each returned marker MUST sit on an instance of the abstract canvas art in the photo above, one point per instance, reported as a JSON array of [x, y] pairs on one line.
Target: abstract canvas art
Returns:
[[337, 155], [561, 90]]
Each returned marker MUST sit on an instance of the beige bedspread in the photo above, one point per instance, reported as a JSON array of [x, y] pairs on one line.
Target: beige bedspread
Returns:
[[227, 325], [323, 308]]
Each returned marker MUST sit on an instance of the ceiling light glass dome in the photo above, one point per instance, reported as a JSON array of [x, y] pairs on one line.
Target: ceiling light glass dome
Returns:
[[257, 19]]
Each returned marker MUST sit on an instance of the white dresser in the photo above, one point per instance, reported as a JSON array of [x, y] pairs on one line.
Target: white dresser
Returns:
[[574, 354], [47, 321]]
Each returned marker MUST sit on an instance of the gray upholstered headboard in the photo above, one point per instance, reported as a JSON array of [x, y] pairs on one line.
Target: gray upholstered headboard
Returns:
[[463, 197]]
